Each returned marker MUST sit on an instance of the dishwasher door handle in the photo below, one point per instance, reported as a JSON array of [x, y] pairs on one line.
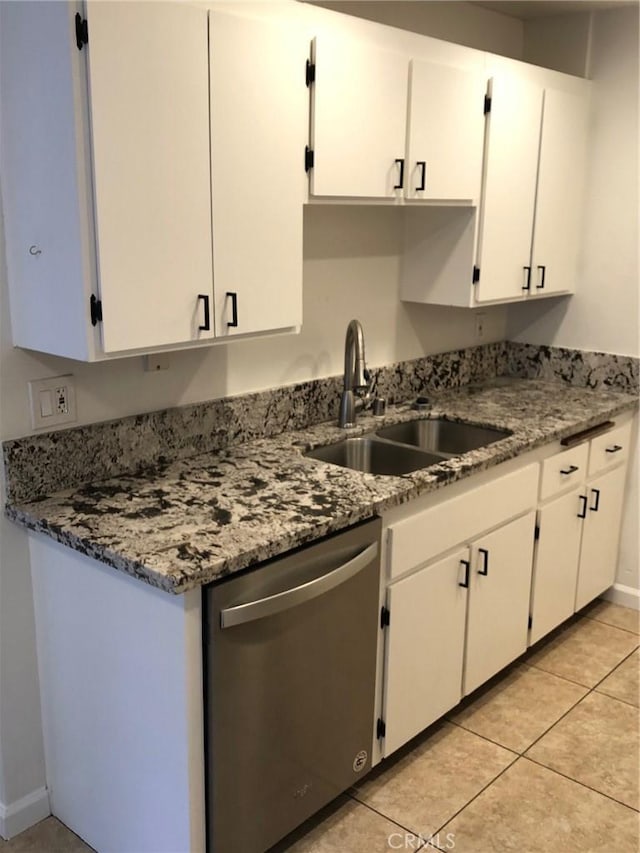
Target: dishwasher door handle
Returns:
[[272, 604]]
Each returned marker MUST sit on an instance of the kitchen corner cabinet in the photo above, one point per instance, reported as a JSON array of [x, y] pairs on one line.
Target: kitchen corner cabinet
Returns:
[[533, 189], [384, 125], [110, 207]]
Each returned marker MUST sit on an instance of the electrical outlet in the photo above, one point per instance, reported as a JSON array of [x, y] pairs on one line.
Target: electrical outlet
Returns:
[[53, 401], [480, 322], [61, 397]]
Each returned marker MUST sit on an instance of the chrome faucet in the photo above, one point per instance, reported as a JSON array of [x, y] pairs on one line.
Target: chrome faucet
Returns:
[[356, 375]]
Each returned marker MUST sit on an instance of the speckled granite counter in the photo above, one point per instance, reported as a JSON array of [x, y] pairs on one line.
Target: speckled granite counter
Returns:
[[188, 522]]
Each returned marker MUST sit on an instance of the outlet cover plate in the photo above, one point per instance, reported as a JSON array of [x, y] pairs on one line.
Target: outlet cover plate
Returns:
[[52, 401]]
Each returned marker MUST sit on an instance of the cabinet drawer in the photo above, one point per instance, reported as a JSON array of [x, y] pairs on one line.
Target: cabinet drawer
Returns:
[[415, 540], [563, 471], [609, 449]]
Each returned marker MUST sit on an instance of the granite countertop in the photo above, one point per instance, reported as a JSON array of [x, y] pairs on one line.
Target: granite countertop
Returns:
[[192, 521]]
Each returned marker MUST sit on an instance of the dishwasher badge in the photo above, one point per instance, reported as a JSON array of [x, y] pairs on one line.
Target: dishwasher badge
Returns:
[[359, 761]]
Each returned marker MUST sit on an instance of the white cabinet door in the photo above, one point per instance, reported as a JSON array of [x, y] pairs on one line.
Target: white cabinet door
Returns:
[[509, 189], [555, 572], [259, 124], [559, 201], [601, 535], [358, 119], [498, 613], [425, 647], [445, 132], [149, 110]]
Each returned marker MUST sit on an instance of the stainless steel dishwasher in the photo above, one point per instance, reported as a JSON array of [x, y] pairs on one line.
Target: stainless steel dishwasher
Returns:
[[290, 661]]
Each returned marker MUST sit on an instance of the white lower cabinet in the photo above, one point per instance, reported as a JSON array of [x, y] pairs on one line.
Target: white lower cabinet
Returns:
[[499, 589], [457, 619], [425, 648], [579, 531], [556, 568], [601, 535], [475, 577]]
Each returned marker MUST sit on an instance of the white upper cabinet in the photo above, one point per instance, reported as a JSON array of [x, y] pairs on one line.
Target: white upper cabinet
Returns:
[[153, 190], [444, 133], [560, 196], [149, 117], [509, 192], [358, 119], [384, 125], [532, 200], [258, 133]]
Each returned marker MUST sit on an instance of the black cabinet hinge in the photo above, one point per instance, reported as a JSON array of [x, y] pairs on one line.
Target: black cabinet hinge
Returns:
[[530, 622], [95, 306], [385, 617], [308, 158], [381, 729], [536, 532], [475, 278], [310, 74], [82, 31], [487, 104]]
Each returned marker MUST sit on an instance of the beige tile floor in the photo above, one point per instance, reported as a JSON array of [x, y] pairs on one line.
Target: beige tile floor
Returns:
[[544, 757]]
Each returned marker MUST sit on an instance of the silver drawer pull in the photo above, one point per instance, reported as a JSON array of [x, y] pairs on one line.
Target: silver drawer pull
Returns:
[[570, 470], [273, 604], [614, 449]]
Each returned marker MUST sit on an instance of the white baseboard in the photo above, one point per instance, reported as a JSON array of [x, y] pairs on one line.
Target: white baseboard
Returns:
[[628, 596], [23, 813]]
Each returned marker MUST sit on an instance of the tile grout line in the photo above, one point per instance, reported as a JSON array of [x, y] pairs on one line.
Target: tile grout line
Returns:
[[582, 784], [481, 791], [620, 628], [488, 739], [590, 690], [407, 829], [617, 698], [571, 681]]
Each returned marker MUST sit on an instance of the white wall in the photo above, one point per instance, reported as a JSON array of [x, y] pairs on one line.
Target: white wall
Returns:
[[459, 22], [561, 42], [603, 315]]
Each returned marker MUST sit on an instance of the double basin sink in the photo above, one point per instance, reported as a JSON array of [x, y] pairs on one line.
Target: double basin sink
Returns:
[[401, 448]]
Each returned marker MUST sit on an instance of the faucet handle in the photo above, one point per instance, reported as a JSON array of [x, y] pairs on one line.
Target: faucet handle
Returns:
[[368, 390]]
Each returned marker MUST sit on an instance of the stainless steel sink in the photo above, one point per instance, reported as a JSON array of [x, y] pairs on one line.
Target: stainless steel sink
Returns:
[[443, 437], [371, 456]]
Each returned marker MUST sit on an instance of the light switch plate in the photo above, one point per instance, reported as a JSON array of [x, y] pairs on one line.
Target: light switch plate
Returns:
[[53, 401]]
